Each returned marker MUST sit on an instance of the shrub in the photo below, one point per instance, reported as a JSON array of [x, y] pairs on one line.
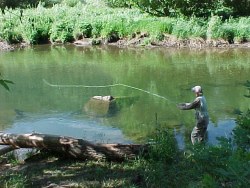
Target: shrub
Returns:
[[164, 147], [189, 28], [36, 29], [71, 3], [214, 28], [82, 30], [119, 3], [199, 8], [17, 3], [97, 28], [239, 7], [9, 33], [158, 7], [62, 31], [242, 131]]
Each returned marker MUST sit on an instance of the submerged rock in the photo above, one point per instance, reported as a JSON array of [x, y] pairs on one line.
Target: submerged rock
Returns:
[[104, 98], [101, 106]]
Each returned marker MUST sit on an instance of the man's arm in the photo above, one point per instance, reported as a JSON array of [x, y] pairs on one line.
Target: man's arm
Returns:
[[188, 106]]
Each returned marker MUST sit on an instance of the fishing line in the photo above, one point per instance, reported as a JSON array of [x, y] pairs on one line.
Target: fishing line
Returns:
[[105, 86]]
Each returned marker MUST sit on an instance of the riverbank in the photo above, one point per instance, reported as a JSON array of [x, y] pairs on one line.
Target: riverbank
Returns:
[[169, 42], [4, 46], [97, 24]]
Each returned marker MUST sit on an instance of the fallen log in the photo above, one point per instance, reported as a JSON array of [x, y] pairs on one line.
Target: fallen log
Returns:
[[76, 148], [6, 149]]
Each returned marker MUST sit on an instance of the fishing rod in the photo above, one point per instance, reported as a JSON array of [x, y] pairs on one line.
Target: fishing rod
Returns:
[[105, 86]]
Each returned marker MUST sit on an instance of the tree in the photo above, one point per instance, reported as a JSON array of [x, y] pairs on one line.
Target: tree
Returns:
[[158, 7], [239, 7], [17, 3]]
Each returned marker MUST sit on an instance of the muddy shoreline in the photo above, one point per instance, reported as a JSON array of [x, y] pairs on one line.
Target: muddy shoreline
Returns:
[[168, 42]]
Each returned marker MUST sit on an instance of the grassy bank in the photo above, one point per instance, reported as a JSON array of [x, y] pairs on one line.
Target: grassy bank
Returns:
[[61, 23]]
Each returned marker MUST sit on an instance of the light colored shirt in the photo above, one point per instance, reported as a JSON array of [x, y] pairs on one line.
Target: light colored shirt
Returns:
[[200, 106]]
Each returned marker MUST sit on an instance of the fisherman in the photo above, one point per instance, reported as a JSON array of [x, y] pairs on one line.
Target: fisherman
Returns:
[[201, 115]]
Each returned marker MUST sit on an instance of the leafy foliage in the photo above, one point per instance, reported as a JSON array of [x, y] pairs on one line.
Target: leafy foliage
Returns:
[[242, 131], [17, 3], [199, 8], [239, 7], [82, 30], [158, 7], [62, 31], [119, 3], [247, 85], [62, 23], [163, 147], [5, 83]]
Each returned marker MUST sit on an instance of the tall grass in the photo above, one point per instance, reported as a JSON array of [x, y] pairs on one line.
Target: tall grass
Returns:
[[93, 19]]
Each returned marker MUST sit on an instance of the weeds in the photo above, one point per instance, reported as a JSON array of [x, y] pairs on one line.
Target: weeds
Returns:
[[70, 21], [15, 180]]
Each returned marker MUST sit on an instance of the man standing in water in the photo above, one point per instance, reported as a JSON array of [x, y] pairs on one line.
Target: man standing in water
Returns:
[[201, 115]]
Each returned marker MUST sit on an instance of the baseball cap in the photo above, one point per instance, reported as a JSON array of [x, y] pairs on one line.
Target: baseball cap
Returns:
[[197, 89]]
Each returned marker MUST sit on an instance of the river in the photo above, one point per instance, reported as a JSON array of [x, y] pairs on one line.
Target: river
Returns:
[[49, 94]]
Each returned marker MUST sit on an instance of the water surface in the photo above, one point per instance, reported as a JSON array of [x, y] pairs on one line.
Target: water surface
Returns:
[[155, 80]]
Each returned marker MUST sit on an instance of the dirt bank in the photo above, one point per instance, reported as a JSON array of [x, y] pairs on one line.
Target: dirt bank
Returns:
[[4, 46], [143, 40]]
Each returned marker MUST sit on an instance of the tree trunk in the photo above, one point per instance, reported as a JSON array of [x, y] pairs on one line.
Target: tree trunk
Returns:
[[6, 149], [76, 148]]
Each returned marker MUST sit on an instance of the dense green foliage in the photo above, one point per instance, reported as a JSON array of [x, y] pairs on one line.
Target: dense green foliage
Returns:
[[34, 3], [63, 23], [119, 3], [200, 8], [17, 3]]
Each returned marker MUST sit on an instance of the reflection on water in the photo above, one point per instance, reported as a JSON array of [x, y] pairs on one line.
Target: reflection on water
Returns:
[[223, 128], [169, 73], [63, 124]]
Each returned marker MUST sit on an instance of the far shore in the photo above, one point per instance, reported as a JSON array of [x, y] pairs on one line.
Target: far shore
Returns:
[[168, 42]]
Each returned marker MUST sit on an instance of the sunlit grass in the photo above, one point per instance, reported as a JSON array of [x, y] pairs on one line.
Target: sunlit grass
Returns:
[[63, 23]]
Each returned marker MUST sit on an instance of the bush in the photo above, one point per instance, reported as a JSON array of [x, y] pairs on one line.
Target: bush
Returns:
[[242, 131], [9, 33], [164, 147], [119, 3], [62, 31], [158, 7], [36, 28], [214, 28], [17, 3], [70, 3], [189, 28], [199, 8], [82, 30], [239, 7]]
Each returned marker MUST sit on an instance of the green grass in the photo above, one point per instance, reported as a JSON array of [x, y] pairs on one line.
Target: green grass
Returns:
[[63, 23]]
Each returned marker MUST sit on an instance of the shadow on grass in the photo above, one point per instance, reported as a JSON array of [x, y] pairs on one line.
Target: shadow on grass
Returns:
[[43, 171]]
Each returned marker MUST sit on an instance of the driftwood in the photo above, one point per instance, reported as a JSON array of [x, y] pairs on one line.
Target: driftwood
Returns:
[[72, 147], [6, 150]]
